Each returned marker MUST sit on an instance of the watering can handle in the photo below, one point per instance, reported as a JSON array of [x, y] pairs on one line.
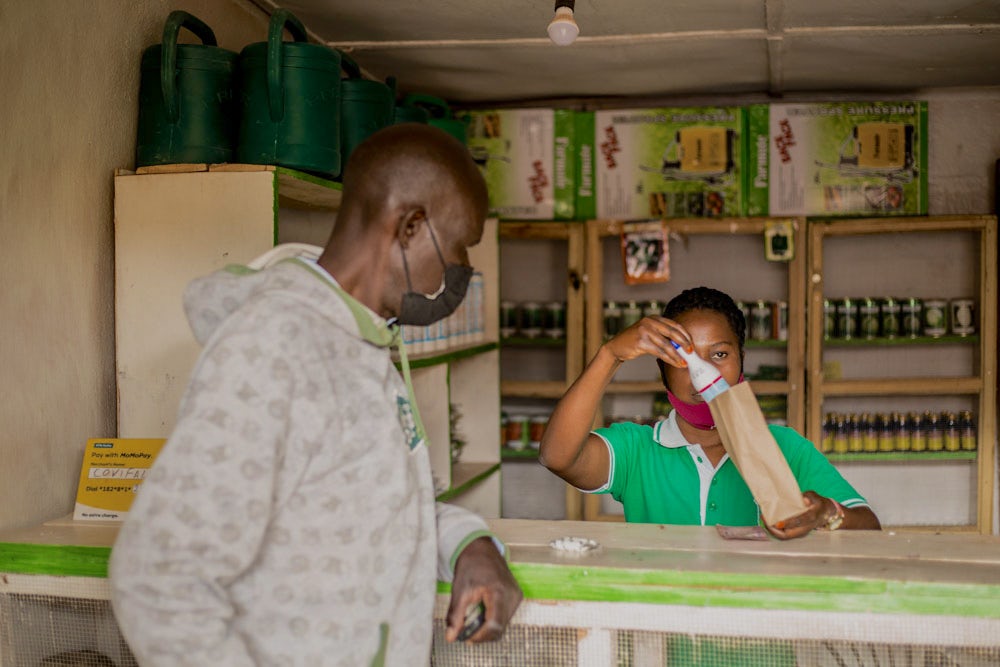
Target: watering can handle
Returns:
[[429, 102], [350, 66], [275, 90], [168, 59]]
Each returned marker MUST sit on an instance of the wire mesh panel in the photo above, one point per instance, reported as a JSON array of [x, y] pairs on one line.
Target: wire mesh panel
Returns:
[[60, 630], [642, 649], [621, 634]]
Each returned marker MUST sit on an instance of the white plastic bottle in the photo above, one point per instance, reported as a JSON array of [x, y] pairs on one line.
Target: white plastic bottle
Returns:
[[705, 377]]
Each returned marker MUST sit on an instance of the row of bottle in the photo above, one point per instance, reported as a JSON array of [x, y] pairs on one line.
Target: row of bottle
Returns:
[[531, 319], [898, 432], [765, 320], [466, 326]]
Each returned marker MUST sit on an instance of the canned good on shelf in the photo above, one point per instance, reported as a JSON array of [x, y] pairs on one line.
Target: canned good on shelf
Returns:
[[761, 320], [847, 318], [829, 319], [745, 309], [963, 317], [531, 319], [508, 319], [631, 313], [555, 320], [911, 317], [935, 317], [889, 320], [612, 319], [781, 320], [652, 308], [517, 431], [868, 318], [536, 429]]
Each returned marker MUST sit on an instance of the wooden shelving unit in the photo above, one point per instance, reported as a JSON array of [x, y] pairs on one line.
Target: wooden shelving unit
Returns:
[[572, 235], [929, 256]]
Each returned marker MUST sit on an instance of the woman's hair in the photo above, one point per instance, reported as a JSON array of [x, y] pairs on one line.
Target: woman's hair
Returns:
[[706, 298]]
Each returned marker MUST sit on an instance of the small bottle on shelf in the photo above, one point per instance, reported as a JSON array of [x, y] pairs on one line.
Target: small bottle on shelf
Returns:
[[952, 440], [935, 434], [967, 431], [855, 438], [918, 434]]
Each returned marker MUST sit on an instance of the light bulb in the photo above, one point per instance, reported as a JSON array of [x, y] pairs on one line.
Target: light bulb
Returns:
[[563, 29]]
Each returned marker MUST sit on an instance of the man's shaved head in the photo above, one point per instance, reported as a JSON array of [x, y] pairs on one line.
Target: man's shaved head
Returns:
[[410, 164], [413, 202]]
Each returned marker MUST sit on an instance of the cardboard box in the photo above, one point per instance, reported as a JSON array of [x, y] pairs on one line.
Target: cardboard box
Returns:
[[837, 159], [527, 159], [665, 163]]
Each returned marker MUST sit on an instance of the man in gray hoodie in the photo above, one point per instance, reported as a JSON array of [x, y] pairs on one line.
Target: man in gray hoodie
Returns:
[[290, 518]]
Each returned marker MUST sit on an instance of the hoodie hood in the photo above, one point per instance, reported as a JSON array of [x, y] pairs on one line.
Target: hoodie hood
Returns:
[[289, 269]]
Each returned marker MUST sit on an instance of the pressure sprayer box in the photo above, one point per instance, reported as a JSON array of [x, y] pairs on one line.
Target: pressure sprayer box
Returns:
[[526, 156], [663, 163], [837, 159]]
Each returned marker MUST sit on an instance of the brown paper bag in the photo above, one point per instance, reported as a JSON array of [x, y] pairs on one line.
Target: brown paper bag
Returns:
[[752, 448]]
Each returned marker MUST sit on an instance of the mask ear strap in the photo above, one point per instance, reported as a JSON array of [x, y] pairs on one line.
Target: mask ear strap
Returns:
[[406, 269], [436, 247]]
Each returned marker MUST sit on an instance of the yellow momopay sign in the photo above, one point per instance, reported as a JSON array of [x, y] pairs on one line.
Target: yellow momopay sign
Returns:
[[112, 472]]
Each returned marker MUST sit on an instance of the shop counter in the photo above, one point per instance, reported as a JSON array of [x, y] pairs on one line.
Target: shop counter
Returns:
[[608, 594]]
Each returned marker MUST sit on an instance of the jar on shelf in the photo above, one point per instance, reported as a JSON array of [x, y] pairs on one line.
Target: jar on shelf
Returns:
[[962, 316]]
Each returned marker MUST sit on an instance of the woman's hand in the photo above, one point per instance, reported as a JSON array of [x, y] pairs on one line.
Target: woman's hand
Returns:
[[820, 512], [651, 335]]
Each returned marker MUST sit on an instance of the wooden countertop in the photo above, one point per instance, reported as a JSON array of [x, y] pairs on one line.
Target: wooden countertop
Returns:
[[887, 572]]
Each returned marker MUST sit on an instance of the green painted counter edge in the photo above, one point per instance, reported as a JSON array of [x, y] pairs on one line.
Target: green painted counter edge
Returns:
[[665, 587], [714, 589], [58, 560]]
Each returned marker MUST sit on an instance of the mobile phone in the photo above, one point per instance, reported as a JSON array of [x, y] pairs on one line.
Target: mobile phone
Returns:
[[475, 616]]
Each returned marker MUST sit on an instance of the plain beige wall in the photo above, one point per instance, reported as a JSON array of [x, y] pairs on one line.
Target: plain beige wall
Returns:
[[69, 72]]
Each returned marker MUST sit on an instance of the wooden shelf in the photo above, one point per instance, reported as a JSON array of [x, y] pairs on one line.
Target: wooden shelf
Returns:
[[546, 231], [901, 341], [901, 387], [295, 188], [520, 341], [915, 457], [974, 238], [528, 389]]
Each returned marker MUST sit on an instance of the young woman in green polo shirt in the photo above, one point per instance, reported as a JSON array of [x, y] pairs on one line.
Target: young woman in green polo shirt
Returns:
[[678, 472]]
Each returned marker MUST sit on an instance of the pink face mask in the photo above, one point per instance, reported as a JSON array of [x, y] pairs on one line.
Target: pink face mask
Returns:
[[698, 415]]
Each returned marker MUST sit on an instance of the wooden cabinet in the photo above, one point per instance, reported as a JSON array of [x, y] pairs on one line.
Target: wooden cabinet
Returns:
[[178, 222], [542, 262], [943, 258], [727, 254], [173, 227]]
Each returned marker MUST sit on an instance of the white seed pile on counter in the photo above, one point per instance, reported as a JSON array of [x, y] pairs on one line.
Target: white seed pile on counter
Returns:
[[573, 544]]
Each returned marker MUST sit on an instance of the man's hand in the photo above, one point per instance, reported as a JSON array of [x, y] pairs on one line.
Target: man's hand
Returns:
[[819, 511], [481, 574]]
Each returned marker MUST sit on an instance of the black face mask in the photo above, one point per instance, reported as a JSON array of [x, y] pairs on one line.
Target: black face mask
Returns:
[[422, 309]]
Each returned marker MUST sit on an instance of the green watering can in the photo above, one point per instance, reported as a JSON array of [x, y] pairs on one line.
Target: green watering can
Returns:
[[440, 114], [186, 98], [407, 114], [366, 106], [290, 101]]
